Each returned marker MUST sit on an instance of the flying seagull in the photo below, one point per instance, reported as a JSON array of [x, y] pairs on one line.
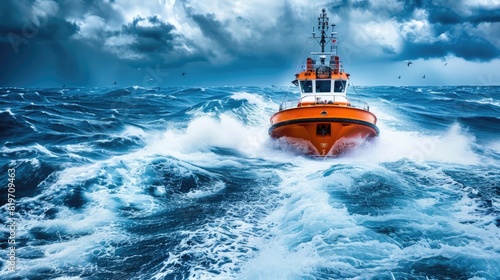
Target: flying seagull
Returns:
[[114, 83], [399, 77], [446, 64], [183, 73], [423, 77], [408, 63]]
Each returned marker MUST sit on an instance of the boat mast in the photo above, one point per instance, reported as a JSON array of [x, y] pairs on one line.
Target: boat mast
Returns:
[[323, 26], [323, 40]]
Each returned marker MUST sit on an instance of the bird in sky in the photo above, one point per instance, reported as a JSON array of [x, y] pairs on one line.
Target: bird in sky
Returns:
[[446, 64], [408, 63], [114, 83], [399, 77], [183, 74], [423, 77]]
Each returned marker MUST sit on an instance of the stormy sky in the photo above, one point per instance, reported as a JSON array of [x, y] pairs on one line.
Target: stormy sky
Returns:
[[231, 42]]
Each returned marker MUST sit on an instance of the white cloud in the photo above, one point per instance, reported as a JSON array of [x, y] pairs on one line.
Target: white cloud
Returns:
[[243, 20], [444, 36], [91, 27], [418, 29], [383, 35], [388, 6], [42, 9], [371, 35], [467, 7], [488, 31], [130, 9], [488, 4]]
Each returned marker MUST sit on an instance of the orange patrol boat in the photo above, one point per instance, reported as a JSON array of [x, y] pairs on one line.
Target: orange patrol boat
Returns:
[[324, 122]]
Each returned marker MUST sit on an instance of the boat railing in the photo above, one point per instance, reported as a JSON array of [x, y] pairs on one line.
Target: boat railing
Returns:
[[322, 100]]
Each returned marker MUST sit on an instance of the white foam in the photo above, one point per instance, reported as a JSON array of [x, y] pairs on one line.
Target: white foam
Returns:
[[31, 125], [33, 161], [426, 202], [133, 131], [494, 146], [451, 146], [96, 224], [207, 190], [313, 225], [276, 261], [73, 253], [35, 147], [7, 110], [78, 148], [206, 132], [305, 214], [225, 242], [485, 101]]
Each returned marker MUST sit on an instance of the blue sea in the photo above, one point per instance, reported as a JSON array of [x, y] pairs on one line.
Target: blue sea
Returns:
[[185, 183]]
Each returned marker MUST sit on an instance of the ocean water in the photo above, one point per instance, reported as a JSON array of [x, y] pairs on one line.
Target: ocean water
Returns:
[[185, 183]]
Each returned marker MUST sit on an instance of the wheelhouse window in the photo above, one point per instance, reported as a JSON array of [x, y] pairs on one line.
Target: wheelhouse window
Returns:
[[339, 86], [323, 86], [306, 86]]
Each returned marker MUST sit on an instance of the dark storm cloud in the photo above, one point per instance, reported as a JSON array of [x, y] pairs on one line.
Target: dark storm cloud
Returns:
[[40, 41], [10, 12], [213, 29], [217, 32], [152, 36], [479, 50], [475, 49], [271, 46], [34, 43], [56, 29], [20, 23], [485, 15], [461, 43], [17, 14], [445, 15]]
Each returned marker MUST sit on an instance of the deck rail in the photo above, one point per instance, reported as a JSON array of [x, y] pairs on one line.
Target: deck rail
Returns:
[[322, 100]]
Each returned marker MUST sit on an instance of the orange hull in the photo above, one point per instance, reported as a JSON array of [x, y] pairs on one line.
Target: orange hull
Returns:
[[328, 129]]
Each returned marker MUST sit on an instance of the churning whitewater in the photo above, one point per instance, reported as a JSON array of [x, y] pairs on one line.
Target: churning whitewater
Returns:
[[185, 183]]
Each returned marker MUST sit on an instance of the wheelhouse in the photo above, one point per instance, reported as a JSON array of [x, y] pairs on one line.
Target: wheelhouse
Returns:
[[326, 86]]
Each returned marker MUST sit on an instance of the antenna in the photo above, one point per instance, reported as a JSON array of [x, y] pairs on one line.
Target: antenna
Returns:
[[323, 26], [323, 39], [334, 46]]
